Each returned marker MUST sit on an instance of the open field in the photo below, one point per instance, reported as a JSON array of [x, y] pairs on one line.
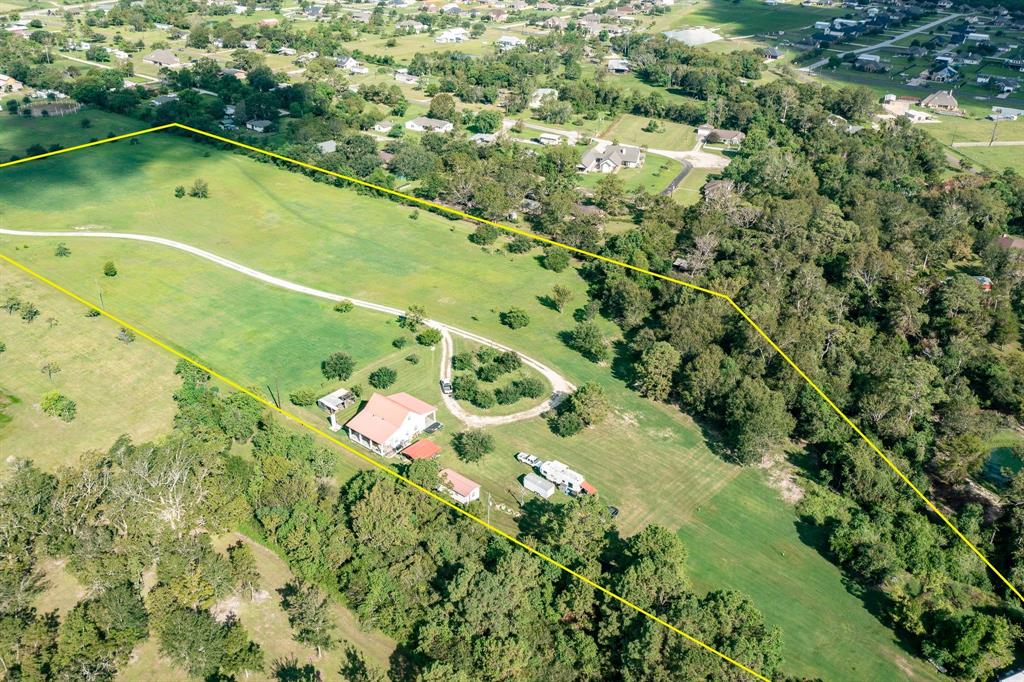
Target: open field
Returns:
[[118, 387], [688, 191], [996, 158], [629, 129], [744, 18], [648, 459], [17, 134]]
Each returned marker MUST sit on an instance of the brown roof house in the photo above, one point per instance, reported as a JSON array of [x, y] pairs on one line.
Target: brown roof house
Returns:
[[942, 101]]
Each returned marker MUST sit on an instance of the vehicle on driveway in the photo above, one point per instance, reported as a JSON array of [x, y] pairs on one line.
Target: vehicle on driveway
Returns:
[[446, 387], [527, 458]]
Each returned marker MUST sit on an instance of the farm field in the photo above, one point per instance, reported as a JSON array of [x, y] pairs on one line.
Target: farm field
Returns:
[[648, 459], [107, 378]]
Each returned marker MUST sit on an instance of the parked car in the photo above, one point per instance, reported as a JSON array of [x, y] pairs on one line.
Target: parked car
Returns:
[[527, 458], [614, 511], [446, 387]]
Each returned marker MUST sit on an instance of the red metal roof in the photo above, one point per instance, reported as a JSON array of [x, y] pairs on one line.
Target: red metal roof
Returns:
[[422, 449], [588, 489]]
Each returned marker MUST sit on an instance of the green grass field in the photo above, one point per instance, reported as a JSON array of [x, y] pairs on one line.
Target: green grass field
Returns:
[[648, 459], [629, 129], [18, 134], [746, 17], [653, 176], [118, 387]]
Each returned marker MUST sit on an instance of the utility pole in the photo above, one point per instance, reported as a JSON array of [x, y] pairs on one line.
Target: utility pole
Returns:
[[488, 509], [995, 125]]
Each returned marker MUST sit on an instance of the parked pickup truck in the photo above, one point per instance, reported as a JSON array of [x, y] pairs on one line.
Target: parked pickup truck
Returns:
[[527, 458]]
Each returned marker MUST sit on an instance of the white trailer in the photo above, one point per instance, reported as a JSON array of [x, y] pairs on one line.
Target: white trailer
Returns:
[[535, 483], [561, 475]]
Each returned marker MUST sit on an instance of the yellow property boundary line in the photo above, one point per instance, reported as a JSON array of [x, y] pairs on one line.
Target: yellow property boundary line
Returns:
[[429, 204]]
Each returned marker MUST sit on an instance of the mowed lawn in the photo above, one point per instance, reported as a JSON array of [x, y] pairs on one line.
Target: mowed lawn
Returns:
[[118, 387], [649, 460], [17, 133], [745, 17], [629, 129]]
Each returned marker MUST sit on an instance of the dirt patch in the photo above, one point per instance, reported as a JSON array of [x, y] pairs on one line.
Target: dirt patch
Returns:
[[782, 477], [225, 608]]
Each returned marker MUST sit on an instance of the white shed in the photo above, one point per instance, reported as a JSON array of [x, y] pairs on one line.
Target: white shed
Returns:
[[536, 484]]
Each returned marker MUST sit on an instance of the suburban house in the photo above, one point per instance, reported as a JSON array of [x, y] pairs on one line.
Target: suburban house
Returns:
[[383, 126], [712, 134], [1008, 241], [944, 75], [161, 100], [410, 25], [461, 489], [610, 159], [350, 64], [481, 139], [403, 76], [9, 84], [422, 449], [549, 139], [335, 402], [942, 101], [386, 424], [425, 124], [540, 94], [452, 35], [162, 58], [618, 66], [258, 125], [505, 43]]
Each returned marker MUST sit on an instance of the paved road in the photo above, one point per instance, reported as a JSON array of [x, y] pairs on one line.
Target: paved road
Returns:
[[889, 42], [560, 386], [677, 179], [996, 143], [106, 66]]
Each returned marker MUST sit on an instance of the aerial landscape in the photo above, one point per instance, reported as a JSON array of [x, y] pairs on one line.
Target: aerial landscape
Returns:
[[511, 340]]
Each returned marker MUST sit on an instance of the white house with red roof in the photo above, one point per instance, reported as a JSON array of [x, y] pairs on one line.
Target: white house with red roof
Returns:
[[388, 423], [461, 489]]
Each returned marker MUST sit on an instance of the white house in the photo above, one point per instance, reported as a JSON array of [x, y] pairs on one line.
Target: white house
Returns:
[[386, 424], [618, 66], [869, 58], [549, 139], [410, 25], [403, 76], [509, 42], [383, 126], [259, 125], [423, 124], [610, 159], [162, 58], [452, 35], [540, 94], [9, 84], [461, 489]]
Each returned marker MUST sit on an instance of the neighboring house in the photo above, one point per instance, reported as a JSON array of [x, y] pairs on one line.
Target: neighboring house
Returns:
[[9, 84], [505, 43], [163, 99], [162, 58], [424, 124], [258, 125], [461, 489], [1008, 241], [944, 75], [269, 22], [713, 135], [350, 64], [917, 116], [868, 58], [422, 449], [237, 73], [327, 147], [772, 53], [386, 424], [540, 94], [335, 402], [549, 139], [618, 66], [610, 159], [383, 126], [483, 138], [452, 35], [287, 51], [943, 101], [410, 25], [403, 76]]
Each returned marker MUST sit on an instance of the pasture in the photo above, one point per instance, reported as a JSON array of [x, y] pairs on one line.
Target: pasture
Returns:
[[744, 18], [629, 129], [650, 460]]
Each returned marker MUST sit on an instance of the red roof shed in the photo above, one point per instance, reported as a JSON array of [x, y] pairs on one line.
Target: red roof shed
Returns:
[[422, 449]]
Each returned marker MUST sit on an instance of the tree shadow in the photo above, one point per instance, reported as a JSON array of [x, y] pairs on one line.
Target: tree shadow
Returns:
[[548, 302]]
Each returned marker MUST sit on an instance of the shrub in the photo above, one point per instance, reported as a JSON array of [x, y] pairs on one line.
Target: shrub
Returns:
[[400, 342], [462, 361], [530, 387], [484, 234], [344, 307], [200, 190], [515, 318], [412, 359], [464, 387], [60, 406], [520, 244], [509, 361], [179, 191], [62, 250], [486, 354], [471, 446], [484, 398], [507, 395], [429, 337], [489, 372], [338, 366], [383, 377], [126, 335], [109, 269], [567, 424], [555, 258], [357, 390], [29, 311], [303, 397]]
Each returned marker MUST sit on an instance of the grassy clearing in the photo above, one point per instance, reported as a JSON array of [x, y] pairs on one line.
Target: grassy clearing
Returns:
[[688, 191], [118, 387], [743, 18], [629, 129], [18, 133], [995, 158], [649, 460]]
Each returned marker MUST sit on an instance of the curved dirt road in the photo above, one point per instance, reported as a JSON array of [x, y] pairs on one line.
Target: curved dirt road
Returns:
[[560, 386]]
